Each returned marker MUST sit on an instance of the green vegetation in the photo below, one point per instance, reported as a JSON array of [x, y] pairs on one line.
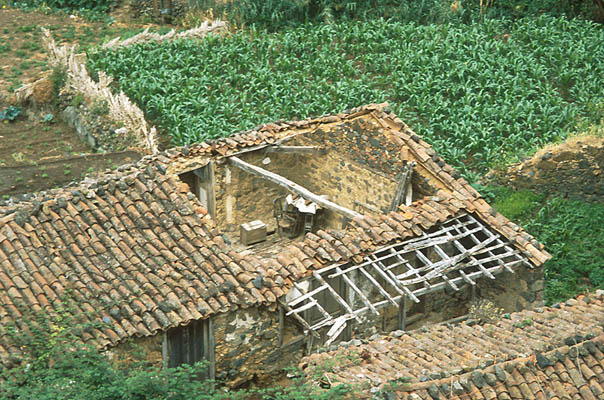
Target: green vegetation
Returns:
[[70, 5], [571, 230], [10, 114], [276, 14], [477, 92], [55, 365]]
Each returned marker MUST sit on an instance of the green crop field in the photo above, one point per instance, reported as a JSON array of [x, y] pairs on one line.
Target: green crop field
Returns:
[[477, 92]]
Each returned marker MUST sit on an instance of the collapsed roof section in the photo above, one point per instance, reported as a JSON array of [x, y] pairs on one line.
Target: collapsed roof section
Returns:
[[457, 252], [140, 253]]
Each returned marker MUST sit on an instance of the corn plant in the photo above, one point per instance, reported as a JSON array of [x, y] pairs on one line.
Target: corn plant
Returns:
[[478, 92]]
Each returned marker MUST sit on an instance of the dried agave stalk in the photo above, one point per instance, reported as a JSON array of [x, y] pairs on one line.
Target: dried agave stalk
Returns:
[[121, 109], [145, 36]]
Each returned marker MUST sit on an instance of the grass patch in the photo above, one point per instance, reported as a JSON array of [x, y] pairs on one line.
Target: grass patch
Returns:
[[571, 230]]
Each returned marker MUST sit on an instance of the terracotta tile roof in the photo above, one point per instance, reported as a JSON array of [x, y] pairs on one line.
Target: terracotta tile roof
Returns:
[[137, 253], [571, 371], [137, 250], [460, 357]]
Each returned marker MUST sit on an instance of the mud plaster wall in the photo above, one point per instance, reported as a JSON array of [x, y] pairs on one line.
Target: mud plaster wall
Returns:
[[574, 169]]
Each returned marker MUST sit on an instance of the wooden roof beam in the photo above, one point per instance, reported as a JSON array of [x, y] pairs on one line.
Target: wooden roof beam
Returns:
[[293, 187]]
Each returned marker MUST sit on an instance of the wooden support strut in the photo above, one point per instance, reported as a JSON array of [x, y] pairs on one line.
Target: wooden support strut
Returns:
[[402, 187], [293, 187]]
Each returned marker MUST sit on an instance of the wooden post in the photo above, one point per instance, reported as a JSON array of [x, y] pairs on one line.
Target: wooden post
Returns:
[[404, 314], [400, 193], [281, 325], [211, 348], [164, 350]]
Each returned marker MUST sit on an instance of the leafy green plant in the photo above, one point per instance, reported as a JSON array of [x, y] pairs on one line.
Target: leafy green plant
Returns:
[[477, 92], [48, 118], [99, 107], [58, 78], [524, 323], [73, 5], [10, 114], [56, 365], [276, 14]]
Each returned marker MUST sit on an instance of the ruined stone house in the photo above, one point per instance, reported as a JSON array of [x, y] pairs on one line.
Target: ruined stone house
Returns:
[[254, 250]]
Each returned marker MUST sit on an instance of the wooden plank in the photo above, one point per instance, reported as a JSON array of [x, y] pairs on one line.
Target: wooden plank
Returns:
[[391, 279], [364, 298], [335, 294], [466, 278], [335, 331], [368, 207], [402, 187], [293, 187], [301, 320], [306, 295], [304, 150], [439, 286], [378, 286]]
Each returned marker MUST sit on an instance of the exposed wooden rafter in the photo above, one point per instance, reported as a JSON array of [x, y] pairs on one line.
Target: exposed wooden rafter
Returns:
[[458, 253], [304, 150]]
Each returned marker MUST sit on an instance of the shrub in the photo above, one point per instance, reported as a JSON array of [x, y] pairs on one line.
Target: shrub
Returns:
[[56, 365], [571, 231]]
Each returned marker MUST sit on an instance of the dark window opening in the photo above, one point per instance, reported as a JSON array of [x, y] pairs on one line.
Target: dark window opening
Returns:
[[189, 344]]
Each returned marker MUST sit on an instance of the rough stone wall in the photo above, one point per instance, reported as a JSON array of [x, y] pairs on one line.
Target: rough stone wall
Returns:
[[514, 292], [248, 349], [145, 348], [573, 169], [243, 197]]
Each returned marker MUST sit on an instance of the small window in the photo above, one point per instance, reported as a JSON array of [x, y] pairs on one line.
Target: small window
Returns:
[[188, 344], [201, 184]]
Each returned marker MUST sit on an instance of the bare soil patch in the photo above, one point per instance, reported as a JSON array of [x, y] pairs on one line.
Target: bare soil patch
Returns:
[[35, 155]]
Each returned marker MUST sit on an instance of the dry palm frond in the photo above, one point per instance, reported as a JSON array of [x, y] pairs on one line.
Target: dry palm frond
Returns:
[[121, 109], [146, 36]]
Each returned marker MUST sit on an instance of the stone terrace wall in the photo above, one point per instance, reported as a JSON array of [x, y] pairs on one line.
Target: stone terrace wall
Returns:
[[573, 169]]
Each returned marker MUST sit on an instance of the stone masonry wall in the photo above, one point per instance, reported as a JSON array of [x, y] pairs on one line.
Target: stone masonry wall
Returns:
[[248, 349], [147, 348], [573, 169], [243, 197]]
